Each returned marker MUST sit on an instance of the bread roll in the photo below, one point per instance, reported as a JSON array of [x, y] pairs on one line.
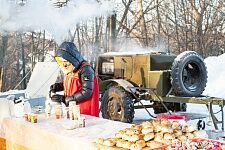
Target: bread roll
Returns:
[[176, 125], [136, 137], [168, 136], [126, 137], [165, 122], [99, 140], [129, 131], [138, 145], [103, 147], [158, 137], [191, 129], [167, 142], [147, 124], [135, 147], [166, 129], [146, 148], [149, 136], [127, 144], [188, 129], [136, 127], [120, 143], [154, 144], [109, 142], [177, 133], [147, 130], [133, 131], [189, 135], [156, 122], [157, 128], [141, 143], [120, 133], [182, 138]]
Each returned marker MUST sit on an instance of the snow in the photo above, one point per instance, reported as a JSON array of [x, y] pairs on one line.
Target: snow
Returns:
[[10, 92], [216, 76]]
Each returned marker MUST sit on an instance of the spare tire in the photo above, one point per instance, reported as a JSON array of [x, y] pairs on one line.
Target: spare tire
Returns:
[[188, 74]]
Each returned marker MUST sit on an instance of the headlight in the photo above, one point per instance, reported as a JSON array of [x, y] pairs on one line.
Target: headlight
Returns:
[[108, 68]]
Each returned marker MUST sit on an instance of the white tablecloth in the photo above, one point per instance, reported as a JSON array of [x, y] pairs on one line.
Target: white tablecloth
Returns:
[[49, 134]]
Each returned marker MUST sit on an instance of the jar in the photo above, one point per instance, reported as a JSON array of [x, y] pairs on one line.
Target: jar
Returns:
[[48, 110], [58, 111], [33, 118], [81, 122], [66, 113], [25, 117], [71, 106], [76, 112]]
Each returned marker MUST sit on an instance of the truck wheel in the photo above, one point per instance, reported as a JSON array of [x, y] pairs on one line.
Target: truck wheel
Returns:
[[188, 74], [174, 107], [117, 105]]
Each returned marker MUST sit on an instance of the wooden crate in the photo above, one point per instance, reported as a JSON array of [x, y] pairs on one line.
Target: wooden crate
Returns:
[[7, 145], [2, 144]]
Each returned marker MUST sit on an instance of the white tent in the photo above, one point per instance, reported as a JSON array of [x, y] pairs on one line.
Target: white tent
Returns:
[[43, 75]]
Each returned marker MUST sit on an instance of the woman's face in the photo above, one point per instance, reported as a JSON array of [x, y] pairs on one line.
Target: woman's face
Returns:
[[65, 65], [68, 66]]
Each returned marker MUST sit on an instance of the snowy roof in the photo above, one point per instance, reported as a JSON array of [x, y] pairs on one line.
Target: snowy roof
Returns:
[[132, 52]]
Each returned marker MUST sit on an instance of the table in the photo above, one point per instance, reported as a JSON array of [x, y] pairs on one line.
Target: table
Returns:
[[50, 134]]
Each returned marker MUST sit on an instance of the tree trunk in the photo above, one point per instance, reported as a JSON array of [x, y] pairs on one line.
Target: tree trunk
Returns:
[[78, 36], [112, 32], [32, 51], [23, 64], [142, 24], [2, 56], [158, 21], [198, 16], [176, 25]]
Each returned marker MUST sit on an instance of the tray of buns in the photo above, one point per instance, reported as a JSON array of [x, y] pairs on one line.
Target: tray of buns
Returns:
[[154, 134]]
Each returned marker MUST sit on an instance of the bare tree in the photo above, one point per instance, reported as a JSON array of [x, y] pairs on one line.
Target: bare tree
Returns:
[[3, 49]]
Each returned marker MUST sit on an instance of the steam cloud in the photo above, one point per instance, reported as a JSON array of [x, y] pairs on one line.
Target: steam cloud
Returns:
[[42, 15]]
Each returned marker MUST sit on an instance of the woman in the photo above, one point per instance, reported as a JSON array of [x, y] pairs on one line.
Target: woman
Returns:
[[80, 83]]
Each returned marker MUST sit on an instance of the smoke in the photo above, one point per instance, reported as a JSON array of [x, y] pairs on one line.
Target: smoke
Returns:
[[129, 45], [42, 15]]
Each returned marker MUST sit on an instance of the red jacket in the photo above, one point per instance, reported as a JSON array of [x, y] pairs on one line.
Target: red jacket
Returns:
[[72, 84]]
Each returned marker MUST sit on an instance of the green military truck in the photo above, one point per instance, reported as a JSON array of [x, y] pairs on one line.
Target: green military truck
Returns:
[[161, 78]]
